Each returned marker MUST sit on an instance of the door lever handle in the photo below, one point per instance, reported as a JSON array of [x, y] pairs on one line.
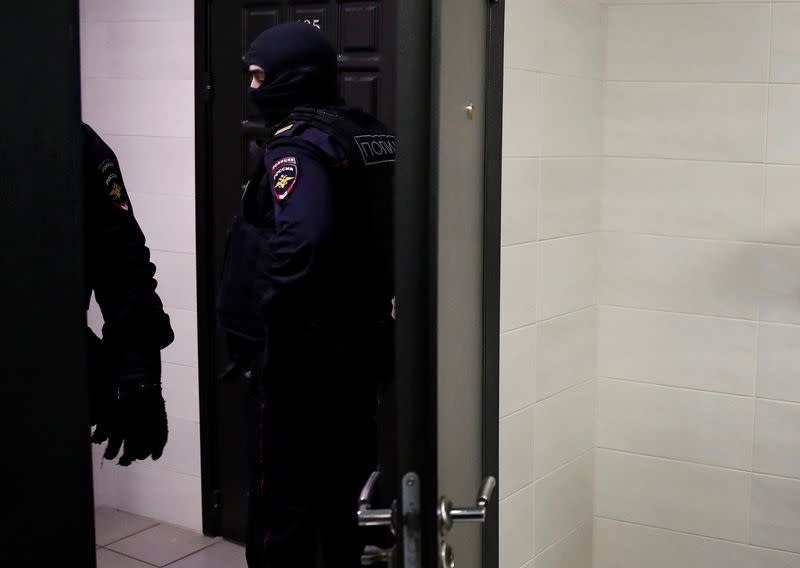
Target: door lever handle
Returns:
[[477, 514], [374, 555], [367, 516]]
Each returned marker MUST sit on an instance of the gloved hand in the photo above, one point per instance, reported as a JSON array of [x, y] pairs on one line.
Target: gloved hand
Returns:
[[137, 422]]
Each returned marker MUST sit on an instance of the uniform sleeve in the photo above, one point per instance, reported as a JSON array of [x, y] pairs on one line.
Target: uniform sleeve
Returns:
[[119, 269], [301, 191]]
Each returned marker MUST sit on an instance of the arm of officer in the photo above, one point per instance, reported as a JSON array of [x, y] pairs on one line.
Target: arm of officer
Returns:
[[303, 209], [119, 268]]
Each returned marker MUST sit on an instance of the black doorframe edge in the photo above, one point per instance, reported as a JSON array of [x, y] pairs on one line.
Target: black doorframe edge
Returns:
[[205, 300], [416, 259], [493, 163]]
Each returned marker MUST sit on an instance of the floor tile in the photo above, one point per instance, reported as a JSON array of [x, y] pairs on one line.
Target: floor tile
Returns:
[[111, 525], [109, 559], [221, 555], [162, 544]]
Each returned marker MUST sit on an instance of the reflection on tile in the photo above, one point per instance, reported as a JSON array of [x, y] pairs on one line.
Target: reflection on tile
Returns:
[[221, 555], [111, 525], [162, 544]]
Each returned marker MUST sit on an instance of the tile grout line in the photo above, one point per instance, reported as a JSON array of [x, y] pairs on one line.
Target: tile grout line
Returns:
[[751, 477], [695, 535], [750, 474], [156, 523], [527, 407], [193, 553]]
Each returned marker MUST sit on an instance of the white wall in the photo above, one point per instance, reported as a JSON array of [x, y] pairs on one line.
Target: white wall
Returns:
[[137, 73], [554, 63], [698, 460]]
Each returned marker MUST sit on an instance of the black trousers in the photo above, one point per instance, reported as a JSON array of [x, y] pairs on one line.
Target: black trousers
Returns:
[[310, 452]]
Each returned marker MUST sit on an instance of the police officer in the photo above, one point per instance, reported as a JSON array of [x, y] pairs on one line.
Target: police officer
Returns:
[[322, 286], [126, 405]]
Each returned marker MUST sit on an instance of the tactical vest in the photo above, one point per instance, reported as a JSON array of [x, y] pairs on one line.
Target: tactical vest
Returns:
[[356, 284]]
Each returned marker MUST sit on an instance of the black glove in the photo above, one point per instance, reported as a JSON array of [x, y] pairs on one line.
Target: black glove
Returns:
[[138, 420]]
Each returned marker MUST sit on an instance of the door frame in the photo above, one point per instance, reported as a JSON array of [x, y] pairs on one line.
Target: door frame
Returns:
[[415, 89], [492, 191], [206, 306]]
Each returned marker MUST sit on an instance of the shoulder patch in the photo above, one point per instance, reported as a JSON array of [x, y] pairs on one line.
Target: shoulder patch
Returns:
[[376, 148], [114, 188], [285, 172]]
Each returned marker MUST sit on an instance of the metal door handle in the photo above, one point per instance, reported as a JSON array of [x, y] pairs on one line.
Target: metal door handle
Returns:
[[374, 555], [477, 514], [367, 516]]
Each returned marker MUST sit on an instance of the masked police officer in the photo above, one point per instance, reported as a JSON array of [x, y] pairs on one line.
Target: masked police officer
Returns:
[[126, 405], [313, 258]]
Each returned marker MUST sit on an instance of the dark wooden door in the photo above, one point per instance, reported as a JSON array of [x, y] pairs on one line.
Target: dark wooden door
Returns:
[[364, 34]]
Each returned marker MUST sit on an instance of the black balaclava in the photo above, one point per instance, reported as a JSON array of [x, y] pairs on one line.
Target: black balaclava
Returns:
[[300, 65]]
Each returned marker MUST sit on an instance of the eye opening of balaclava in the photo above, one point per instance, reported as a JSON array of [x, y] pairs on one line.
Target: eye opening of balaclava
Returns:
[[300, 66]]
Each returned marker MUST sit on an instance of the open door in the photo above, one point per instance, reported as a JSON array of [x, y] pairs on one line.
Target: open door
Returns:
[[448, 124]]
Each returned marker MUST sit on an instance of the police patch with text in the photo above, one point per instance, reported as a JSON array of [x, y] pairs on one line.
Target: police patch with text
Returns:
[[114, 187], [376, 148], [284, 177]]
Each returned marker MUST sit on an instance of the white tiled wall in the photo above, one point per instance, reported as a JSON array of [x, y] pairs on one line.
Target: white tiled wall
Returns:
[[651, 217], [552, 170], [699, 279], [137, 74]]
